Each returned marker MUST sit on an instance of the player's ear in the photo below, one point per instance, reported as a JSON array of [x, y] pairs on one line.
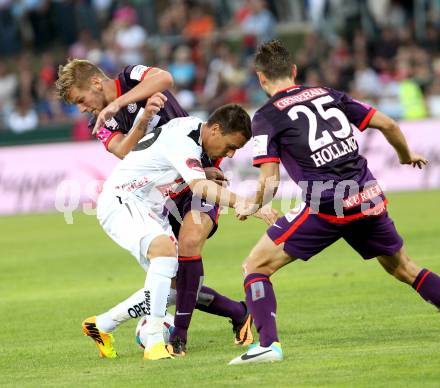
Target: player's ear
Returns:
[[261, 77], [96, 82], [294, 71], [215, 129]]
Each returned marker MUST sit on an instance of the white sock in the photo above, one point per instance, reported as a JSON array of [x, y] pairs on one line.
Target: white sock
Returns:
[[132, 307], [157, 289]]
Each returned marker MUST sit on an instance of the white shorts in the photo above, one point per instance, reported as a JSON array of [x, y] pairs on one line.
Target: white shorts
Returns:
[[131, 224]]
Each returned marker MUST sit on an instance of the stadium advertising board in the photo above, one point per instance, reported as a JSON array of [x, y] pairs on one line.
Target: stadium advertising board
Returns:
[[67, 176]]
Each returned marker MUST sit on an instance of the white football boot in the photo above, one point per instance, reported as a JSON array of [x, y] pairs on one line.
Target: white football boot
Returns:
[[257, 353]]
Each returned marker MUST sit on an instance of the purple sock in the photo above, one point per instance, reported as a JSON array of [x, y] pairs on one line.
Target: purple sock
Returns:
[[188, 281], [262, 305], [210, 301], [427, 284]]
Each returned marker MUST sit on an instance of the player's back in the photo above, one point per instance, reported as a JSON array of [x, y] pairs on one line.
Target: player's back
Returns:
[[310, 130], [314, 127]]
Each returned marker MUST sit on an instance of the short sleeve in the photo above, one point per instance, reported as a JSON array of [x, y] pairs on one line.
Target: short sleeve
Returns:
[[185, 156], [265, 148], [135, 74], [358, 113]]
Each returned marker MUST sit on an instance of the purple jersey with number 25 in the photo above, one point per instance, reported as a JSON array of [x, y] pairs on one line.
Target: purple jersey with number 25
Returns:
[[310, 131]]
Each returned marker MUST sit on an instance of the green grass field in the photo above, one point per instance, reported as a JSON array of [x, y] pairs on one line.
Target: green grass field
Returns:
[[342, 321]]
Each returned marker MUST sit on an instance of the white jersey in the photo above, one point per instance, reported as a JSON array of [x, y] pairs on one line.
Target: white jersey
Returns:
[[160, 165]]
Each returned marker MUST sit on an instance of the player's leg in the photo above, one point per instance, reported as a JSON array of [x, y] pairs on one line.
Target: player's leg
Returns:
[[425, 282], [192, 236], [195, 229], [162, 255], [297, 235], [264, 260], [376, 236], [130, 226]]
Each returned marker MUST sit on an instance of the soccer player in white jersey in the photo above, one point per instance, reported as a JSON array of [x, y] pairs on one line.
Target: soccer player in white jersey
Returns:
[[132, 206]]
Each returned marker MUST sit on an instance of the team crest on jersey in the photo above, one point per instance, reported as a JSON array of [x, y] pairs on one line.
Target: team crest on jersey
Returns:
[[132, 107], [111, 123], [194, 164]]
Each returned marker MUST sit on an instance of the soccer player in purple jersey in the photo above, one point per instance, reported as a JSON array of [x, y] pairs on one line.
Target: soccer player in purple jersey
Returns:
[[310, 131], [119, 122]]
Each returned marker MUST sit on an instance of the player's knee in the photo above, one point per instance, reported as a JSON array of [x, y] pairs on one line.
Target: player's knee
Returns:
[[190, 243], [164, 266], [161, 246], [257, 264]]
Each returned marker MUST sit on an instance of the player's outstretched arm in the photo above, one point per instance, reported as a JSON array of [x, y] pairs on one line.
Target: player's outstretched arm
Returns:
[[156, 80], [268, 183], [120, 145], [214, 193], [396, 138]]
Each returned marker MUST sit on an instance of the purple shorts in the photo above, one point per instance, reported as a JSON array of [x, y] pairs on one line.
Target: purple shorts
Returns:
[[184, 203], [305, 234]]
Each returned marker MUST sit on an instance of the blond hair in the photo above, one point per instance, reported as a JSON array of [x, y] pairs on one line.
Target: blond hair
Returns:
[[76, 72]]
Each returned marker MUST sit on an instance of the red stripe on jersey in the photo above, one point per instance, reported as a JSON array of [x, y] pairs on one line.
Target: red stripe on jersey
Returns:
[[294, 227], [367, 119], [217, 215], [189, 258], [106, 143], [145, 73], [255, 280], [118, 88], [352, 217], [422, 280], [217, 162], [257, 162]]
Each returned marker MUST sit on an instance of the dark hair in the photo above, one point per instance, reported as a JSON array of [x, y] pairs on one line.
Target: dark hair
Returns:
[[232, 118], [273, 60]]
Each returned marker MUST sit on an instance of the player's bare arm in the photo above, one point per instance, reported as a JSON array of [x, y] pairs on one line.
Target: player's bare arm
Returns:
[[156, 80], [120, 145], [214, 193], [268, 183], [396, 138]]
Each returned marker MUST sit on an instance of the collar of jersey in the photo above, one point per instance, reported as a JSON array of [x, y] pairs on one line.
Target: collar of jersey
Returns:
[[286, 89]]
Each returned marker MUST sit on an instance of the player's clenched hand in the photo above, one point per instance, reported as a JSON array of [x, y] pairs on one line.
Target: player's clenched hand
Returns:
[[154, 104], [106, 114], [415, 160], [216, 175], [268, 214]]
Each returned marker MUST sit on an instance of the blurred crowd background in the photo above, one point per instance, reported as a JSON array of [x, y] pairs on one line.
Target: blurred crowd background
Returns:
[[386, 52]]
